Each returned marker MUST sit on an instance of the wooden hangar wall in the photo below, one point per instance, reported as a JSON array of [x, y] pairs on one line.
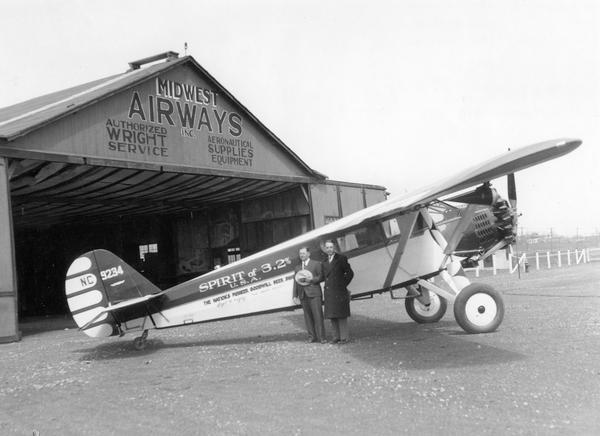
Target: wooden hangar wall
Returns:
[[242, 229], [332, 200], [149, 124], [120, 164]]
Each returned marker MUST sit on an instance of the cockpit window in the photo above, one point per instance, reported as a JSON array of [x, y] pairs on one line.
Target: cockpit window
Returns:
[[360, 238], [348, 242], [391, 228]]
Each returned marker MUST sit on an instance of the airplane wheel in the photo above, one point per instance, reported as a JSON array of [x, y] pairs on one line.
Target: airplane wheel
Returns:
[[426, 314], [479, 308], [139, 343]]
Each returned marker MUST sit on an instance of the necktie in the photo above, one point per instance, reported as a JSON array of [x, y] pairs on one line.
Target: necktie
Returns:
[[330, 258]]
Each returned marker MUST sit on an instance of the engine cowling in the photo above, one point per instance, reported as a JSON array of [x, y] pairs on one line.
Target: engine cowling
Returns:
[[490, 225], [493, 226]]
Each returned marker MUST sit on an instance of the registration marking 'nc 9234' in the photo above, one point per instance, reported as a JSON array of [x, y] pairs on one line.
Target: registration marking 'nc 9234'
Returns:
[[111, 272]]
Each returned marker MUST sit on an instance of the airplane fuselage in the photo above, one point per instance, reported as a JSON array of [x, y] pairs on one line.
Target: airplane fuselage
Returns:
[[264, 282]]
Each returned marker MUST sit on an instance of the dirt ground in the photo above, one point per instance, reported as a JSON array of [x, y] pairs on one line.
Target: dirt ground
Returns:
[[539, 374]]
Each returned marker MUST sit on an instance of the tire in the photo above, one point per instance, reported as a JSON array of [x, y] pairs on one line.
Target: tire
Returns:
[[479, 308], [426, 314]]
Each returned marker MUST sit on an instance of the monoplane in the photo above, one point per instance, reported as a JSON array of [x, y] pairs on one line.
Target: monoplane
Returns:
[[414, 246]]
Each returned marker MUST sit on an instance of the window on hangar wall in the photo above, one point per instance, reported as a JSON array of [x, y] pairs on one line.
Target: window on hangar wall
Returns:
[[148, 248]]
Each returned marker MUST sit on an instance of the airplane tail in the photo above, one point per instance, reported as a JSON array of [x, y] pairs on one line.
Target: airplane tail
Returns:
[[97, 283]]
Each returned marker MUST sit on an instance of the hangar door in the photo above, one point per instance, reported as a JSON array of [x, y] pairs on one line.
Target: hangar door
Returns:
[[170, 226]]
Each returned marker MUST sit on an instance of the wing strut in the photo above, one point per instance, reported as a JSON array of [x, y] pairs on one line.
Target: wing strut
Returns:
[[406, 229], [459, 231]]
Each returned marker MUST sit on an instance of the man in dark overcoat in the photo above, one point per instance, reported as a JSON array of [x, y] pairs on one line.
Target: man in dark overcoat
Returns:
[[337, 274], [307, 292]]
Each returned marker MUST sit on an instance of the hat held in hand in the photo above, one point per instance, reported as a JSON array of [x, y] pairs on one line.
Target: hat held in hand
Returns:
[[303, 277]]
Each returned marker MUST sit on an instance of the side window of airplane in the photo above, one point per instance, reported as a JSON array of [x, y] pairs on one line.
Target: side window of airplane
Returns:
[[360, 238], [347, 242], [391, 228]]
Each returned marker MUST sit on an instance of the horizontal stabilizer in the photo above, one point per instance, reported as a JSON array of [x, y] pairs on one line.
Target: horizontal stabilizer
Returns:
[[139, 302]]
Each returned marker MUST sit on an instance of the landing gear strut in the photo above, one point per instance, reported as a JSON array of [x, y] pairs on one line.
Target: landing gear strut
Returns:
[[140, 342]]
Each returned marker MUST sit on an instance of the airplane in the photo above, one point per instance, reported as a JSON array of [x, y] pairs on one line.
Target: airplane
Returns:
[[414, 246]]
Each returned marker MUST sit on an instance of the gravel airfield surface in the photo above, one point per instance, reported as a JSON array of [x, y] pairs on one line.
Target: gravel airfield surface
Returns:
[[539, 374]]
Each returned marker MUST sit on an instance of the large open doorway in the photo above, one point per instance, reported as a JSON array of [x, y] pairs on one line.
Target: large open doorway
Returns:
[[171, 227]]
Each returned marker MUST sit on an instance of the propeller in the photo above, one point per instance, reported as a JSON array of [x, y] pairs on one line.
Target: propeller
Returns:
[[512, 199], [512, 190], [506, 214]]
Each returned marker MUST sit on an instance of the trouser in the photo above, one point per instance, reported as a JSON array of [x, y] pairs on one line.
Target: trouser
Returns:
[[313, 317], [340, 328]]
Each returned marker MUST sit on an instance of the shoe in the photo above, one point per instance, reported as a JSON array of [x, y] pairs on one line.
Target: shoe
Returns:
[[310, 340], [323, 341], [334, 341], [343, 341]]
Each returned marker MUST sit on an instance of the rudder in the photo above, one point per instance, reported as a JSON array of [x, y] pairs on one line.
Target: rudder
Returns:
[[96, 280]]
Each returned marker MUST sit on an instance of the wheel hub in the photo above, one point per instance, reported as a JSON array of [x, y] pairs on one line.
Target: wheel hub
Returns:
[[428, 309], [481, 309]]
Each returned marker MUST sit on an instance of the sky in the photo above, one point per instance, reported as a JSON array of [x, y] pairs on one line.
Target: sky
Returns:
[[393, 93]]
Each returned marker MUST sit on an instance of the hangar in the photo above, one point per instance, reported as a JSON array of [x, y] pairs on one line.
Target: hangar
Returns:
[[159, 164]]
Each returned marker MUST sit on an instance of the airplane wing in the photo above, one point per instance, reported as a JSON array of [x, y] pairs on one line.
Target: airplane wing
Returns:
[[507, 163], [502, 165]]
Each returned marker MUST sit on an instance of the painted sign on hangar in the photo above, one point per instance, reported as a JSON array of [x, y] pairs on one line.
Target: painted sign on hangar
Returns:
[[179, 118]]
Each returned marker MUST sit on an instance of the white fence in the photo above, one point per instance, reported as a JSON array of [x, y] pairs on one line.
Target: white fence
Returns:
[[540, 260]]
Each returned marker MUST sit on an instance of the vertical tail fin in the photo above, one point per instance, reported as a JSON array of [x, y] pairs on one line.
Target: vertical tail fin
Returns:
[[96, 280]]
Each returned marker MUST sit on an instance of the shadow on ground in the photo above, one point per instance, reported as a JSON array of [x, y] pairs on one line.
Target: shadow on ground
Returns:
[[376, 342], [383, 343], [123, 348]]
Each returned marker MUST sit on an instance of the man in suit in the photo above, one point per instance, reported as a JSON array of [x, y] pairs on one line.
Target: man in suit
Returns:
[[307, 292], [337, 274]]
